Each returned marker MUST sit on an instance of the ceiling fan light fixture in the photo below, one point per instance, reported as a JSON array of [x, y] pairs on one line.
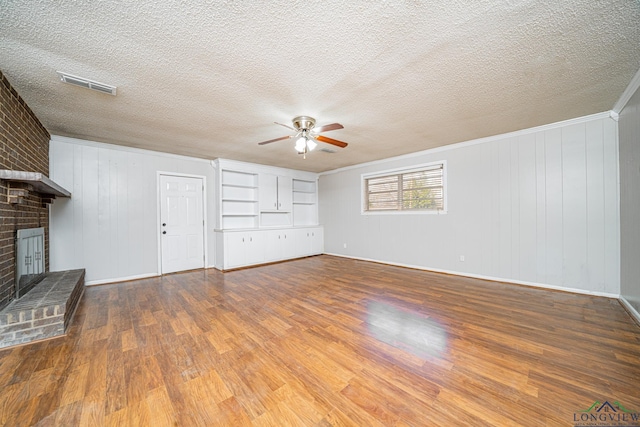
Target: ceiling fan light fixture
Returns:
[[306, 138], [301, 144], [311, 144]]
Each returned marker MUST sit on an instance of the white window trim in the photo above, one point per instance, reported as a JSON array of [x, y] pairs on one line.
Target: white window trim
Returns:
[[363, 188]]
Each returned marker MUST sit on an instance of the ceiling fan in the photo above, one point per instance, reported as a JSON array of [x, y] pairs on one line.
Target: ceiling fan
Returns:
[[307, 135]]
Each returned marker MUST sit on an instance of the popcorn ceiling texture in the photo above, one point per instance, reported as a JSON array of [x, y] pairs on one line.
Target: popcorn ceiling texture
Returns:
[[208, 79]]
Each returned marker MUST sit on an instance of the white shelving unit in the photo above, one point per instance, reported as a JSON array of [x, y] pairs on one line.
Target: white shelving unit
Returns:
[[305, 203], [239, 200], [265, 214]]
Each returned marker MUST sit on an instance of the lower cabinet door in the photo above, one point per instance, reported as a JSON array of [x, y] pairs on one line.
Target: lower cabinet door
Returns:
[[272, 251], [234, 249], [254, 248], [317, 241]]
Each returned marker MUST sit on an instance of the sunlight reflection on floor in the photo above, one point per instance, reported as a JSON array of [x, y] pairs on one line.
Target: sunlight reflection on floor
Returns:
[[406, 329]]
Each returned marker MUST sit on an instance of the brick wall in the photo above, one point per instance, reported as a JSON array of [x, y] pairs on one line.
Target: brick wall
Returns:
[[24, 146]]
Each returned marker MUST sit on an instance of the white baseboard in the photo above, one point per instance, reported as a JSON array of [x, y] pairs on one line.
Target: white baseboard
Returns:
[[127, 278], [491, 278], [630, 309], [120, 279]]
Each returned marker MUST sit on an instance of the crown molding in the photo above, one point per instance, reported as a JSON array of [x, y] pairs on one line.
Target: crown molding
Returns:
[[96, 144], [633, 86], [577, 120]]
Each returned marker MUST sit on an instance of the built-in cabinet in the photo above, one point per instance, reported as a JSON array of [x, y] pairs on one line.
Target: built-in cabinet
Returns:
[[235, 248], [266, 214], [275, 193], [243, 248]]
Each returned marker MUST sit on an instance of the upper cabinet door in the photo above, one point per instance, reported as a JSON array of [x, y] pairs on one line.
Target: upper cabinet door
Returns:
[[285, 193], [275, 193], [268, 192]]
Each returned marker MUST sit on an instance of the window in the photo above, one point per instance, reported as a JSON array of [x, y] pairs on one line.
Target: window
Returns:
[[416, 190]]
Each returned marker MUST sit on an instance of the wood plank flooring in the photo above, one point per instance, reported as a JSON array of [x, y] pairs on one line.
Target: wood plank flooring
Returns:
[[325, 341]]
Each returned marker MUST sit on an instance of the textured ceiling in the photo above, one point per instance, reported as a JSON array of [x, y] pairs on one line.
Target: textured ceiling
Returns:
[[208, 79]]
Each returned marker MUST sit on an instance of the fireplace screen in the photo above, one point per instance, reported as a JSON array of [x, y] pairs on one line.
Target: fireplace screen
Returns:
[[29, 259]]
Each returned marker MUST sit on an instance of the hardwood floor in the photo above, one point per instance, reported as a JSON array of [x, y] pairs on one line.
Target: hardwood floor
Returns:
[[325, 341]]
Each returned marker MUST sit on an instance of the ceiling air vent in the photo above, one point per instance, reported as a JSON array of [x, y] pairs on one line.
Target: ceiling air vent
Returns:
[[328, 150], [87, 84]]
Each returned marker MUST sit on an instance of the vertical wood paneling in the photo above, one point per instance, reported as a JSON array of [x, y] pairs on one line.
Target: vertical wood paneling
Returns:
[[612, 207], [554, 216], [595, 207], [539, 207], [77, 259], [527, 207], [574, 205], [125, 269], [136, 201], [104, 214], [90, 220], [495, 224], [487, 211], [505, 216], [109, 226], [629, 201], [514, 220], [62, 208]]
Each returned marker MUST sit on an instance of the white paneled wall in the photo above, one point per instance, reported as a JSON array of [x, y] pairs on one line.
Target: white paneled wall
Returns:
[[630, 198], [538, 206], [109, 226]]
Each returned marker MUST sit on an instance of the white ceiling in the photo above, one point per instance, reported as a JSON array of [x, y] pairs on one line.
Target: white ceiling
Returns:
[[208, 79]]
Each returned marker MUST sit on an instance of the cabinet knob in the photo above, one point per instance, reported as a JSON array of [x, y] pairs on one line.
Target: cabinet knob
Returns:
[[164, 224], [164, 232]]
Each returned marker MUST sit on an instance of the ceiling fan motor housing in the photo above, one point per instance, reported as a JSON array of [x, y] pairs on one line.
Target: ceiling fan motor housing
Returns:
[[304, 123]]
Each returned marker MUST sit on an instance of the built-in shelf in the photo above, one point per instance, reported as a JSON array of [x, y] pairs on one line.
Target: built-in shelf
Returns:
[[239, 186], [239, 199]]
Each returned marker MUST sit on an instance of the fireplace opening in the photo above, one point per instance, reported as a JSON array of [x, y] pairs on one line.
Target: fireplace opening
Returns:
[[30, 262]]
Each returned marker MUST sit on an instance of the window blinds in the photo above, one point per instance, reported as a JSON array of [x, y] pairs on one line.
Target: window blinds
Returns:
[[409, 191]]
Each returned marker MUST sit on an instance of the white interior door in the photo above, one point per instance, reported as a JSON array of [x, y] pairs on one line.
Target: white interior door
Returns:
[[181, 223]]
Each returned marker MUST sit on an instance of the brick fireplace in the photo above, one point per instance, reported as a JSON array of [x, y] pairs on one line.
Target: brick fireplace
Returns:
[[24, 146]]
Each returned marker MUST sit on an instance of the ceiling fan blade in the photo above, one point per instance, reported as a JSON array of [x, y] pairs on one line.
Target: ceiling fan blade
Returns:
[[331, 141], [288, 127], [274, 140], [325, 128]]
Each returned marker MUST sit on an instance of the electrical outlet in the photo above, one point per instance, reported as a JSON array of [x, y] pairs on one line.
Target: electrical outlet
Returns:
[[345, 245], [461, 258]]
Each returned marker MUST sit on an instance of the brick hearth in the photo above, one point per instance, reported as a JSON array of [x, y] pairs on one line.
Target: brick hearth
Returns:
[[44, 312]]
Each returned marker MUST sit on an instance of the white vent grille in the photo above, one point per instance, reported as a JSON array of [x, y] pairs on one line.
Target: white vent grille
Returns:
[[87, 84]]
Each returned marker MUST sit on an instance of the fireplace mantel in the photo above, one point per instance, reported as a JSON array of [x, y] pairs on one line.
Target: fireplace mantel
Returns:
[[40, 182]]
